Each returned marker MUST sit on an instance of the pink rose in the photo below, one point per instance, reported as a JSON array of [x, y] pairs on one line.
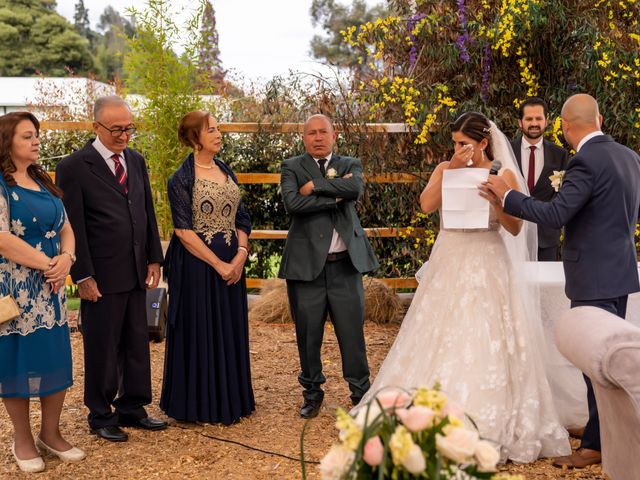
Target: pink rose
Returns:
[[373, 451], [453, 410], [393, 398], [416, 418]]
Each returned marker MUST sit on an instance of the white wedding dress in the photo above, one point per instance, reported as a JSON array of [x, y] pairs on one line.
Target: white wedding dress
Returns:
[[467, 330]]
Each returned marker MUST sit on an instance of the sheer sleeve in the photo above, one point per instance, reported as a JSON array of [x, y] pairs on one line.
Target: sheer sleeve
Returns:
[[5, 220], [180, 201]]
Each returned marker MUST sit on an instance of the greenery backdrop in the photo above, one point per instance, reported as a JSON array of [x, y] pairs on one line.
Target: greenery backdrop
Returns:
[[419, 62]]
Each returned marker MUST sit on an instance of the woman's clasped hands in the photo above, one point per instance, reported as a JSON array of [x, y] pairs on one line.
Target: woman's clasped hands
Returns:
[[59, 268]]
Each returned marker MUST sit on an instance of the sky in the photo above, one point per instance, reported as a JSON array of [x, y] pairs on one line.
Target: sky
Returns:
[[258, 38]]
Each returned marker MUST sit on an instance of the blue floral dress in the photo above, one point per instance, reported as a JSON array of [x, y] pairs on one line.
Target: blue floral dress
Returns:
[[35, 350]]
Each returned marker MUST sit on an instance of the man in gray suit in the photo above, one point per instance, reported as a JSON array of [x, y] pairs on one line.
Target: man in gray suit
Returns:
[[324, 258], [538, 158]]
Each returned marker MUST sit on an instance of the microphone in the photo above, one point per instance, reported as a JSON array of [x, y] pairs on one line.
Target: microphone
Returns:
[[496, 165]]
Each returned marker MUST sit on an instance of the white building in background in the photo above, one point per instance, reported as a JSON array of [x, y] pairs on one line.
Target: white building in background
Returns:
[[45, 95]]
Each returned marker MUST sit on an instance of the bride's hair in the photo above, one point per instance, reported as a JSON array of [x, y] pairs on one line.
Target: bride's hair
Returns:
[[476, 126]]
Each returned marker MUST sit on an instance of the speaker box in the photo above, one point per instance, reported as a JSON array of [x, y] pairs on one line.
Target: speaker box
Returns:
[[157, 312]]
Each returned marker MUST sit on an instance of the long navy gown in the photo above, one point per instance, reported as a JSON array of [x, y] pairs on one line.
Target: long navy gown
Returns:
[[207, 375]]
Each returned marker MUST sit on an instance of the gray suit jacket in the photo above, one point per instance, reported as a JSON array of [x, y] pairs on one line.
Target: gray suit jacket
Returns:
[[314, 217], [555, 158]]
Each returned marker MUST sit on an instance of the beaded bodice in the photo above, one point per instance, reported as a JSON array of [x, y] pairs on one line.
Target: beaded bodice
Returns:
[[214, 208]]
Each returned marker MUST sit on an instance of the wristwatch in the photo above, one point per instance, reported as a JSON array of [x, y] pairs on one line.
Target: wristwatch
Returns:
[[72, 256]]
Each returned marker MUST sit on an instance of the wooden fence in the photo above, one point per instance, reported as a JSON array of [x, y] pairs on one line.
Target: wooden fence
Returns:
[[274, 178]]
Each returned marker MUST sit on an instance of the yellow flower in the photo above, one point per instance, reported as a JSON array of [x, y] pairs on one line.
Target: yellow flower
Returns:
[[400, 444], [433, 399], [350, 433]]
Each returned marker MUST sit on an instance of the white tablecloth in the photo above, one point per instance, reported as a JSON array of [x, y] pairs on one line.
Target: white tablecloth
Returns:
[[566, 381]]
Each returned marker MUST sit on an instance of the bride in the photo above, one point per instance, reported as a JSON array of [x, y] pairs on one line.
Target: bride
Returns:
[[473, 325]]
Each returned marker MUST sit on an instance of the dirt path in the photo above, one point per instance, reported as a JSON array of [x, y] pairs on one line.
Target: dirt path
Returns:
[[187, 451]]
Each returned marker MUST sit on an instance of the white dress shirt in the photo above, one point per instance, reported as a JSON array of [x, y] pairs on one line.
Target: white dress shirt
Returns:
[[107, 154], [587, 138], [337, 244], [525, 152]]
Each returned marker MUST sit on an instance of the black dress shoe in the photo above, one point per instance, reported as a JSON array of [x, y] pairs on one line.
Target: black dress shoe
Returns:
[[111, 433], [310, 408], [146, 423]]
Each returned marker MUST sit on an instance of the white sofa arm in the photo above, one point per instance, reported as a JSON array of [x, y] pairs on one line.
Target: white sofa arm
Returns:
[[591, 337]]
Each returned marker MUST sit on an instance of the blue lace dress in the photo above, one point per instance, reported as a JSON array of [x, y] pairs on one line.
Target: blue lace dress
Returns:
[[35, 351]]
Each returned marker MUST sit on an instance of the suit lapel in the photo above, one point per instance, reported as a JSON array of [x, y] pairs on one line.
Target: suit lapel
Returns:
[[310, 166], [517, 151], [100, 169]]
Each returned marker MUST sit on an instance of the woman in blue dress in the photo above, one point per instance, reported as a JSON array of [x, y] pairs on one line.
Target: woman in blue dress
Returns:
[[36, 253], [207, 376]]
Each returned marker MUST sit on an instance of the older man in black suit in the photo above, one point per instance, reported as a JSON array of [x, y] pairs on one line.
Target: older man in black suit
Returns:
[[538, 158], [108, 199], [599, 206]]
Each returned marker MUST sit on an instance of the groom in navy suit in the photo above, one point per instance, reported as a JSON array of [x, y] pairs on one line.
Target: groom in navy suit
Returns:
[[599, 206]]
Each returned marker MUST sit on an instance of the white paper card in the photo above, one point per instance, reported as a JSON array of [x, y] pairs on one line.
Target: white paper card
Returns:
[[462, 205]]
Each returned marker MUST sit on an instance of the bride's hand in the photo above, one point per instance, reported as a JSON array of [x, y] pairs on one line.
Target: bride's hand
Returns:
[[461, 157]]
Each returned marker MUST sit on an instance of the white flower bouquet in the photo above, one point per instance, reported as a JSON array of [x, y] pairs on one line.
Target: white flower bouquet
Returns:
[[401, 435]]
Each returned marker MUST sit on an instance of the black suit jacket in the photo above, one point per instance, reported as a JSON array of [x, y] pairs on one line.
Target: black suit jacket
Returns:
[[116, 233], [599, 206], [555, 158]]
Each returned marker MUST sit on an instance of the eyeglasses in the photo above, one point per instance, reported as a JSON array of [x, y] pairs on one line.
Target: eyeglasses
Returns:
[[117, 132]]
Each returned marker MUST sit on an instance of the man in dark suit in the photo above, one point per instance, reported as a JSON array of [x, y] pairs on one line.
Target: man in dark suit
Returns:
[[599, 206], [108, 199], [538, 158], [324, 258]]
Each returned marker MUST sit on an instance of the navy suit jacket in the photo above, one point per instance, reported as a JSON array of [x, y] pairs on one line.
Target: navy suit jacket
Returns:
[[116, 233], [599, 206], [555, 158]]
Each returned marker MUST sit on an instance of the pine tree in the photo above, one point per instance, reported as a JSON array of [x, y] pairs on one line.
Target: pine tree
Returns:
[[81, 20], [209, 62]]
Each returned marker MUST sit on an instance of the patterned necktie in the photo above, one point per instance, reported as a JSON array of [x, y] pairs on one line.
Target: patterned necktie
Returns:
[[321, 164], [531, 177], [121, 175]]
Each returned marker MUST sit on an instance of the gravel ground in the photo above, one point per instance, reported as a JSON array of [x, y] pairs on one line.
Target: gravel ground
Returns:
[[269, 437]]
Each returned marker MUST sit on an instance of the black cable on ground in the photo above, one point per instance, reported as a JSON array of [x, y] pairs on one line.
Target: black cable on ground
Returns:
[[244, 445]]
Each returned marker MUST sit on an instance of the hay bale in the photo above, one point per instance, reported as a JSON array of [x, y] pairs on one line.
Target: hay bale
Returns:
[[381, 304], [272, 305]]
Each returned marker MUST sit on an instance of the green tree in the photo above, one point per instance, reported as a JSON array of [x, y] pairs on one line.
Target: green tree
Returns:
[[81, 19], [114, 31], [334, 18], [35, 39], [209, 62], [171, 88]]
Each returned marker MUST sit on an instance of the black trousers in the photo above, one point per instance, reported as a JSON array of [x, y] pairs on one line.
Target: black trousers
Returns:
[[116, 358], [337, 291], [549, 254], [591, 436]]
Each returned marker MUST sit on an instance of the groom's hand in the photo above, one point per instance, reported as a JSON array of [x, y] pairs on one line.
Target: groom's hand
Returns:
[[494, 189]]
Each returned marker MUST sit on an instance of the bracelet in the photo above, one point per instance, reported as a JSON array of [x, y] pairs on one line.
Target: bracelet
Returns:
[[244, 249], [71, 256]]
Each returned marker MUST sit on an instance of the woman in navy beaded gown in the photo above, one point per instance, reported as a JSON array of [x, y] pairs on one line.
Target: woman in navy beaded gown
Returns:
[[207, 375], [36, 253]]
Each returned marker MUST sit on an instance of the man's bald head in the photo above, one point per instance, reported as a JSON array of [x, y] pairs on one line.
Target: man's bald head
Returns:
[[581, 109], [318, 117], [580, 117]]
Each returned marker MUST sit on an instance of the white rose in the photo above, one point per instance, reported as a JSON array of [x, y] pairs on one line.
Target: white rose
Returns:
[[332, 173], [414, 462], [487, 456], [458, 445], [336, 462]]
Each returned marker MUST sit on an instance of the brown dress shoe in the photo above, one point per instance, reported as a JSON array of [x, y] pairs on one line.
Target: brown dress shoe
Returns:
[[581, 458], [576, 432]]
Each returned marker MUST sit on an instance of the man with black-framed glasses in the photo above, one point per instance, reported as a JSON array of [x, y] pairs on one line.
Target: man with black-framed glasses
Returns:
[[118, 255]]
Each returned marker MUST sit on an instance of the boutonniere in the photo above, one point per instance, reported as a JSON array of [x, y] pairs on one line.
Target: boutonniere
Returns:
[[332, 173], [556, 179]]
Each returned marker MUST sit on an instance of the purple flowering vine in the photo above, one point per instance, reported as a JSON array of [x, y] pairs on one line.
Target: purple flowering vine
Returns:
[[486, 71], [463, 39], [411, 24]]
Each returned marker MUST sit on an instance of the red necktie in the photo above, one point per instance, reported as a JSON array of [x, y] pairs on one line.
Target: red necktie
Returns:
[[531, 177], [121, 175]]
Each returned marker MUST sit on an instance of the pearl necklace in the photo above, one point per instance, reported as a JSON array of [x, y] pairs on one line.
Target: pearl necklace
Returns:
[[206, 167]]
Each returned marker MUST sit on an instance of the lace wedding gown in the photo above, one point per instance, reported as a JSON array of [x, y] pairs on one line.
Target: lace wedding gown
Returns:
[[467, 330]]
